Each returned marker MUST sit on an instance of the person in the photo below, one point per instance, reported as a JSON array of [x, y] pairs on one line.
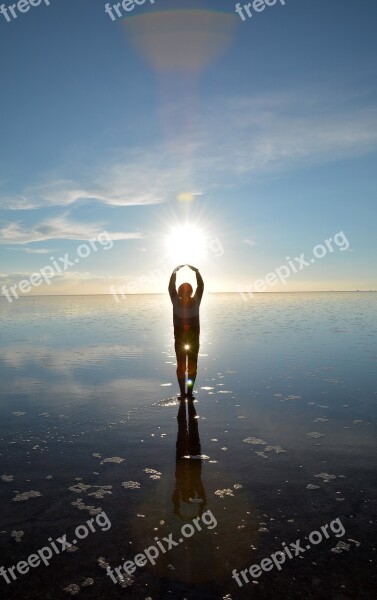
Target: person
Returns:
[[186, 329]]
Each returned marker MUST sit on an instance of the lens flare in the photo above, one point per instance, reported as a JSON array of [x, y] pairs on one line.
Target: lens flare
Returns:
[[186, 41]]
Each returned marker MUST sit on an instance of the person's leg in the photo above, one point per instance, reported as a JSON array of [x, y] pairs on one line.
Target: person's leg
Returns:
[[192, 364], [181, 366]]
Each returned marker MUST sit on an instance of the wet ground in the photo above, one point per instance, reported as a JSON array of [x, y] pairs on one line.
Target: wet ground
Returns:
[[279, 442]]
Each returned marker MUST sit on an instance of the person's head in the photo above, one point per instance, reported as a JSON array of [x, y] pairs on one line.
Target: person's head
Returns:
[[185, 291]]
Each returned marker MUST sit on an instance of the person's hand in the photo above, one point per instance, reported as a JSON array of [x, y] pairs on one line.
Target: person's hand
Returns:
[[193, 268], [177, 268]]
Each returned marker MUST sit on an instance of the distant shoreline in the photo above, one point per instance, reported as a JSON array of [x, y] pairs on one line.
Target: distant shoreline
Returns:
[[211, 293]]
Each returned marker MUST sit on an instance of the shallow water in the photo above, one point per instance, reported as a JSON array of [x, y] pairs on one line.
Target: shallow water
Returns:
[[279, 442]]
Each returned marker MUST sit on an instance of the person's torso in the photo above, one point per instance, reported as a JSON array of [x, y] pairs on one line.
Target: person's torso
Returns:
[[186, 316]]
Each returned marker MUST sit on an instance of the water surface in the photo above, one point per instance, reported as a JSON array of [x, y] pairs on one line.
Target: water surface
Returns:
[[281, 439]]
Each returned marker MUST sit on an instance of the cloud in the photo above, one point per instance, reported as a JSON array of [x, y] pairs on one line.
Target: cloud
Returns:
[[57, 228], [260, 138], [243, 138], [249, 242], [140, 178], [34, 250]]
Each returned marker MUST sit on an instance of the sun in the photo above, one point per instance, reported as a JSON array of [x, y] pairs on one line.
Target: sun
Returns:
[[186, 244]]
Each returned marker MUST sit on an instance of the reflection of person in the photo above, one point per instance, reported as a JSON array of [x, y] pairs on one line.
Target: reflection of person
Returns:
[[186, 328], [188, 470]]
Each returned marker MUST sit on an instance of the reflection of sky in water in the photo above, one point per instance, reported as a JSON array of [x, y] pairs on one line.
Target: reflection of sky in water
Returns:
[[286, 405]]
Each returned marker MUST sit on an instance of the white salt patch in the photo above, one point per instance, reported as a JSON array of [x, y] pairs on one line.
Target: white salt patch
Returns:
[[167, 402], [131, 485], [254, 441], [7, 478], [357, 544], [320, 420], [262, 454], [17, 535], [26, 496], [18, 413], [72, 589], [311, 486], [326, 476], [112, 459], [125, 580], [81, 506], [277, 449], [165, 384], [237, 486], [314, 434], [79, 487], [101, 492], [153, 474], [341, 547], [102, 562], [87, 581], [197, 456], [224, 492]]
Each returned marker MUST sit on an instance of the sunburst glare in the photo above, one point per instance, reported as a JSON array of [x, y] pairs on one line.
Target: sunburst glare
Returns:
[[186, 244]]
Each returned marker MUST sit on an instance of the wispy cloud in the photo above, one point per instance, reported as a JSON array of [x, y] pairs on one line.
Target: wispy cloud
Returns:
[[244, 138], [33, 250], [249, 242], [58, 228]]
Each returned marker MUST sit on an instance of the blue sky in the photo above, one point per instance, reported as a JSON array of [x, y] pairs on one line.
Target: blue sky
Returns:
[[257, 138]]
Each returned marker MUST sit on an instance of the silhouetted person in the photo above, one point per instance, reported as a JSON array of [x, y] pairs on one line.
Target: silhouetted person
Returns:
[[186, 328], [188, 470]]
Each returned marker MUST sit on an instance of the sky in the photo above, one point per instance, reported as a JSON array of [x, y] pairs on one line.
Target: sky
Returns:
[[185, 133]]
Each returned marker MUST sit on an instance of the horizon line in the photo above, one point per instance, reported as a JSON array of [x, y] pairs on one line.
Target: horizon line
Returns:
[[212, 293]]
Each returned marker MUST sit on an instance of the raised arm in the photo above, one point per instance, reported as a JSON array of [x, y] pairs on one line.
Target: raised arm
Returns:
[[172, 283], [172, 289], [199, 283]]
